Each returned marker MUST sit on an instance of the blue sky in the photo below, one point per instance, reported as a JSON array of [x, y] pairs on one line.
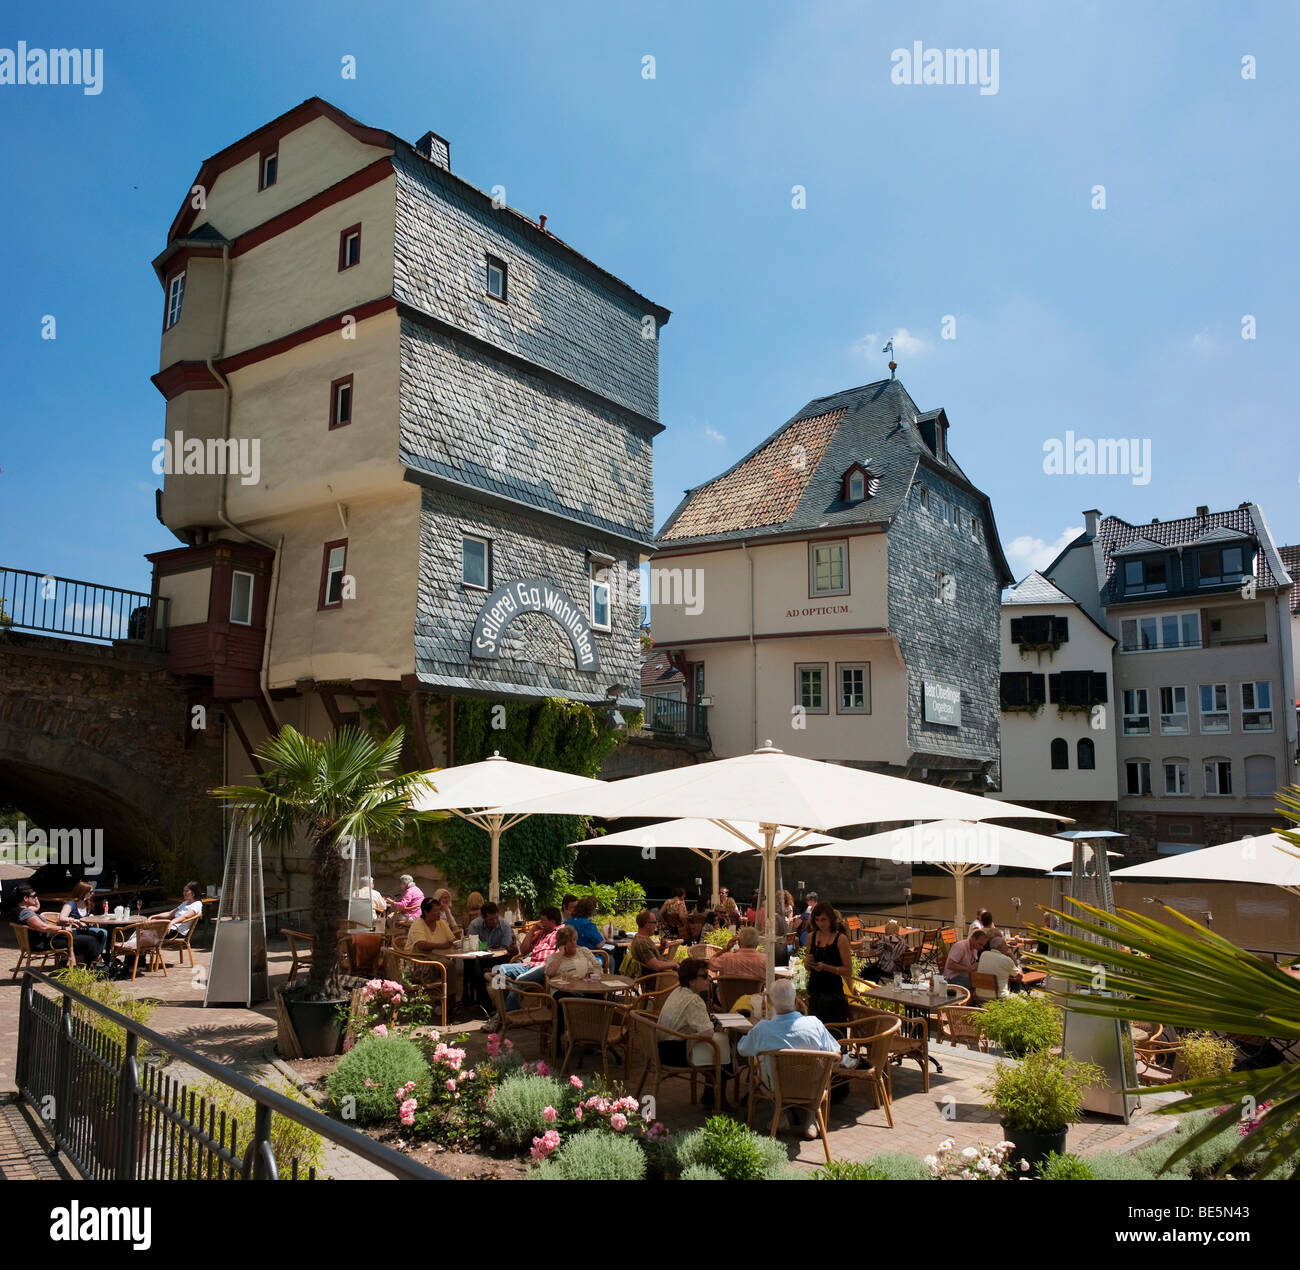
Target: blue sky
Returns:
[[922, 201]]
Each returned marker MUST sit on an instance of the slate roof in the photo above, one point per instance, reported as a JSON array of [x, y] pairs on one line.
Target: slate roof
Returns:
[[658, 672], [1290, 557], [1036, 589], [767, 492]]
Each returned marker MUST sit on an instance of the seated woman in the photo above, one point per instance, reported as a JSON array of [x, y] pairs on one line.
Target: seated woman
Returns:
[[443, 896], [685, 1010], [889, 956], [569, 962], [85, 946], [589, 934], [79, 908], [672, 916], [182, 917], [473, 908], [430, 937]]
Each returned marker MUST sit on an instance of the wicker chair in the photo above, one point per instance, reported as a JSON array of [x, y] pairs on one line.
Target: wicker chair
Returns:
[[647, 1032], [300, 948], [154, 959], [537, 1011], [801, 1080], [54, 948], [961, 1026], [868, 1041], [423, 975], [181, 941], [731, 988], [593, 1023]]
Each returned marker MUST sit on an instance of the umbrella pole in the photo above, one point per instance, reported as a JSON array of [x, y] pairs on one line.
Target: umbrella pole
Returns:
[[769, 910], [494, 883], [716, 859]]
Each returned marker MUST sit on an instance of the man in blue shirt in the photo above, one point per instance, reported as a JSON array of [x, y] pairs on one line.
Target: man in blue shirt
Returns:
[[788, 1030], [589, 934]]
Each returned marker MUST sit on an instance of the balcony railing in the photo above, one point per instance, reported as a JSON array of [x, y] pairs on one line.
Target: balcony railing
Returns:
[[83, 610], [666, 716]]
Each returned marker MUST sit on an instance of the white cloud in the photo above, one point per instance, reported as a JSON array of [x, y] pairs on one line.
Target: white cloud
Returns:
[[1204, 342], [1027, 553], [871, 345], [714, 435]]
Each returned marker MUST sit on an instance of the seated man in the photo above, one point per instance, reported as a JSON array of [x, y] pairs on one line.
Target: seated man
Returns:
[[643, 954], [537, 948], [487, 928], [996, 939], [788, 1030], [728, 910], [963, 957], [1003, 967], [589, 934], [747, 962], [367, 891], [672, 914]]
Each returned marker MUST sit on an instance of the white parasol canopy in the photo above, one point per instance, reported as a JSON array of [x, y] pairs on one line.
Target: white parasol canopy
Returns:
[[959, 847], [704, 837], [775, 789], [475, 792], [1269, 859]]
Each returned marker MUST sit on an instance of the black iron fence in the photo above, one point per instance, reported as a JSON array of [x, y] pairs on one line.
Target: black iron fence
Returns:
[[677, 718], [117, 1115], [84, 610]]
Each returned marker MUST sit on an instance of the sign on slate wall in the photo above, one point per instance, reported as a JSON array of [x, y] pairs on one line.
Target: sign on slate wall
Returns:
[[942, 704], [533, 595]]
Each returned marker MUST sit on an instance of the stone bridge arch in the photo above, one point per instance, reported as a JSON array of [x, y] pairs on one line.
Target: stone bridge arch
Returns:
[[99, 737]]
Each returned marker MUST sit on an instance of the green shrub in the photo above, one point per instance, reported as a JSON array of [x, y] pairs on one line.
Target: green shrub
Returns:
[[1022, 1023], [701, 1173], [888, 1166], [515, 1111], [1041, 1093], [289, 1139], [372, 1072], [733, 1151], [90, 984], [1109, 1166], [1205, 1159], [594, 1157], [629, 896], [1064, 1168], [1208, 1055]]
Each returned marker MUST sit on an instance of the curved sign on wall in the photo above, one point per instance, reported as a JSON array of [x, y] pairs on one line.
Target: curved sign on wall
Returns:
[[533, 595]]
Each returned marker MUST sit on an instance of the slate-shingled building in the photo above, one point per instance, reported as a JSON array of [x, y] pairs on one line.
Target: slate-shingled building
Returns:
[[453, 413], [848, 591]]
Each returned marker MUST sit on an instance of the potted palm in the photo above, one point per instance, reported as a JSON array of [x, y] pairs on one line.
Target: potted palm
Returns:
[[1038, 1099], [344, 787]]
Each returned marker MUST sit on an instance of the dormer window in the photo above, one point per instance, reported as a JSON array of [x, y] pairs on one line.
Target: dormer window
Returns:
[[1145, 575], [859, 483], [1218, 565], [496, 278]]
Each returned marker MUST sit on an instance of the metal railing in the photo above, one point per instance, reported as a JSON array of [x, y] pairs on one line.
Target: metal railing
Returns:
[[117, 1116], [84, 610], [678, 718]]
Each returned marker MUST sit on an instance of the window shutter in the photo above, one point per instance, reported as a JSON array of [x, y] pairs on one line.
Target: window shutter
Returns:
[[1009, 687], [1037, 685], [1099, 685], [1017, 630], [1061, 629], [1054, 687]]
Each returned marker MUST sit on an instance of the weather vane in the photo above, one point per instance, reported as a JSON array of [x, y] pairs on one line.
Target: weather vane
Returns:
[[889, 348]]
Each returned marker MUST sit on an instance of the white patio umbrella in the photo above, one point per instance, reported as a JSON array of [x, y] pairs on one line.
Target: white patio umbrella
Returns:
[[1269, 859], [704, 837], [958, 847], [774, 789], [475, 792]]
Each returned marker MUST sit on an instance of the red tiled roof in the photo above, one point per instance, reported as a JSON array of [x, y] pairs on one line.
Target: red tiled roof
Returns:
[[765, 488], [1116, 533], [657, 670]]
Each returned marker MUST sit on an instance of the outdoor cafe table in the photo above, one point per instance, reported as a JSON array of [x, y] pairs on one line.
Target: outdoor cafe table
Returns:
[[902, 930], [602, 985], [474, 973], [917, 1001]]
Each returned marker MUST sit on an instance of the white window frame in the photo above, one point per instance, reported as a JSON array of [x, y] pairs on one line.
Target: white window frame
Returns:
[[175, 299], [273, 157], [1215, 770], [486, 544], [1255, 710], [821, 668], [333, 571], [857, 487], [1181, 772], [1158, 620], [495, 265], [1225, 713], [596, 587], [814, 591], [234, 580], [1169, 720], [1141, 699], [840, 668], [1143, 768]]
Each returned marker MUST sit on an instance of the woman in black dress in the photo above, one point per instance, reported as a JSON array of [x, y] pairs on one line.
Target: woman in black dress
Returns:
[[829, 963]]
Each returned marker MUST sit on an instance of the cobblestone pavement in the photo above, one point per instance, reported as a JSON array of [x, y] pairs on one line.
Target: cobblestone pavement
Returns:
[[244, 1039]]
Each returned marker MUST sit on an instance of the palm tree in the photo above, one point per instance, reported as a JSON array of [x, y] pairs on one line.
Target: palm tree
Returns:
[[1198, 980], [344, 786]]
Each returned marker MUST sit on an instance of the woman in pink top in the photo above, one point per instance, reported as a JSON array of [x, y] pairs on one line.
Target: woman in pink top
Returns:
[[408, 903]]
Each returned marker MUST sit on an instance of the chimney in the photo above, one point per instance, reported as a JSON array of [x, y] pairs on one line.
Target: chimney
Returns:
[[436, 149], [1155, 520], [541, 222], [1091, 519], [1202, 512]]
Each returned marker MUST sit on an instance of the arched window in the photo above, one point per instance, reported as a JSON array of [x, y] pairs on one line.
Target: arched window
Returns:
[[1087, 754], [1060, 755]]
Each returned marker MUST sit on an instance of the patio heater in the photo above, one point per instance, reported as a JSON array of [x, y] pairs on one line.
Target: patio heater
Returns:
[[1106, 1042], [356, 853], [238, 968]]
